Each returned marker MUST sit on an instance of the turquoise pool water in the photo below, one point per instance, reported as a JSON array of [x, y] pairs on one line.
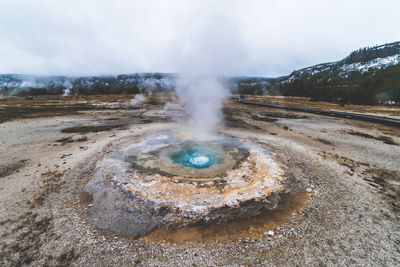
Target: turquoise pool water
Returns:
[[195, 157]]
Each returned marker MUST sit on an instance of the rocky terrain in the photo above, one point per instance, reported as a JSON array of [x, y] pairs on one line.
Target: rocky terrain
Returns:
[[348, 214]]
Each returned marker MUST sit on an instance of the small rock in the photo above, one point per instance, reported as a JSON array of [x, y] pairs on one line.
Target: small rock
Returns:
[[270, 233], [308, 189]]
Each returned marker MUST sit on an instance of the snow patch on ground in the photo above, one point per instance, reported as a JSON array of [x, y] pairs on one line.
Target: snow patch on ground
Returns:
[[377, 63]]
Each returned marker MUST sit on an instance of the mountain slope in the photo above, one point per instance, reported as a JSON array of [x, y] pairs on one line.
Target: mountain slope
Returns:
[[366, 76]]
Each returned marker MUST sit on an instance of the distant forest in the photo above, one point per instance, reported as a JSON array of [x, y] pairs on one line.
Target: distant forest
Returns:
[[369, 88], [332, 82], [367, 76]]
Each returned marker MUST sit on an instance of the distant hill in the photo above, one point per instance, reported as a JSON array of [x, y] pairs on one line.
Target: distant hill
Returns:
[[23, 85], [369, 75], [31, 85]]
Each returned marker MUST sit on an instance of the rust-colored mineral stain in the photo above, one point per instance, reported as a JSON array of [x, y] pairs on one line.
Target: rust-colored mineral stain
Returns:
[[85, 198], [254, 227]]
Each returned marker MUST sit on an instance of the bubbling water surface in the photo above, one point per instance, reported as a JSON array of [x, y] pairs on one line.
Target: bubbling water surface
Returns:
[[195, 157]]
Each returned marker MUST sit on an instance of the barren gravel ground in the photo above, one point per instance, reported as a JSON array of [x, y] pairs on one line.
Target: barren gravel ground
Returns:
[[352, 171]]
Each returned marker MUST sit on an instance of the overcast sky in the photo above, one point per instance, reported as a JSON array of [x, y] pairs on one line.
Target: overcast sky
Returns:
[[265, 38]]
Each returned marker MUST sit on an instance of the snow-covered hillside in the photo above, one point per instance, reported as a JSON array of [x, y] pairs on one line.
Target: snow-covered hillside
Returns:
[[362, 60], [377, 63]]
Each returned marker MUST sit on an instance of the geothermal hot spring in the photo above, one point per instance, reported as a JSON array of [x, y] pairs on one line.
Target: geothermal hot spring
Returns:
[[174, 179], [196, 156], [170, 180]]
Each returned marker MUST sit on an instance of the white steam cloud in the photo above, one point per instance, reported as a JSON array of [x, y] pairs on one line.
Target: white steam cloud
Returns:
[[210, 48], [202, 97], [137, 100]]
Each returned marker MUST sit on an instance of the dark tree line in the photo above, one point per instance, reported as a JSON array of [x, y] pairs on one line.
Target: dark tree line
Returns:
[[370, 53], [122, 84], [372, 87]]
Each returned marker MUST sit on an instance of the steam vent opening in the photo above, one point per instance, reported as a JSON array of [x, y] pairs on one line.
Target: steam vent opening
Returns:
[[195, 157], [166, 183]]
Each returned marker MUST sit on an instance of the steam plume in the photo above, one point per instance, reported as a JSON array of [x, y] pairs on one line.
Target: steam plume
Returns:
[[202, 97]]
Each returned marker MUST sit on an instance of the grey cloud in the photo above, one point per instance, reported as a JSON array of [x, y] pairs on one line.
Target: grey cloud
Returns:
[[268, 38]]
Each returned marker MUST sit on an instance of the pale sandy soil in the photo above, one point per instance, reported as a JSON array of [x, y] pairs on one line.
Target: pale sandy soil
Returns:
[[349, 217]]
